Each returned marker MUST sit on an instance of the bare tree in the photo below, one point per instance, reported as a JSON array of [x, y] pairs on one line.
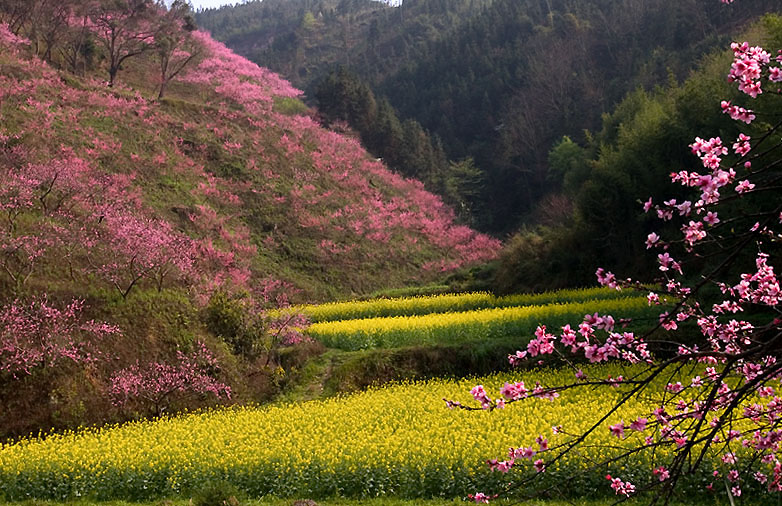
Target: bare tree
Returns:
[[125, 28], [78, 45], [174, 46], [49, 25], [16, 13]]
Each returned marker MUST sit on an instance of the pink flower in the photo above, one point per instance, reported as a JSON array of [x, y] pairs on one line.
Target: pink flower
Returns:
[[618, 430], [479, 498], [624, 488], [527, 453], [606, 278], [674, 387], [744, 186], [479, 394], [711, 218], [737, 113], [662, 473], [639, 424]]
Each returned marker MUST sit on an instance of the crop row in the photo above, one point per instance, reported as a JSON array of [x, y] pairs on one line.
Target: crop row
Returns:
[[446, 303], [398, 440], [459, 327]]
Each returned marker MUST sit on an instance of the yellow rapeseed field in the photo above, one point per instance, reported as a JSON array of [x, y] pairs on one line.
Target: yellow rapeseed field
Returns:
[[455, 327], [453, 302], [398, 440]]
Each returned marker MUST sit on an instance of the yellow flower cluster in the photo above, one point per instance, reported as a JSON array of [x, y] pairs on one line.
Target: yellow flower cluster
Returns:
[[398, 440], [456, 327], [421, 305]]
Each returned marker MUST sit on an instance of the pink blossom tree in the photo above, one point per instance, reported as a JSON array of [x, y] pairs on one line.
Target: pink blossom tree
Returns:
[[129, 248], [174, 45], [21, 253], [38, 335], [156, 383], [718, 410]]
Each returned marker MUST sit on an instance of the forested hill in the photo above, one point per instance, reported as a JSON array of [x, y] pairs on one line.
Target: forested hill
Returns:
[[500, 81], [305, 39]]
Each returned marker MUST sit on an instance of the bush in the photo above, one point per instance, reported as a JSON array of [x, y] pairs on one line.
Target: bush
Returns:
[[218, 493], [229, 318]]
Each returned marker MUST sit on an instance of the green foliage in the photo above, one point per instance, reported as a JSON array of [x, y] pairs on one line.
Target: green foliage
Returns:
[[218, 493], [342, 96], [544, 258], [462, 185], [568, 165], [308, 21], [169, 316], [290, 106], [641, 142], [229, 318], [403, 145]]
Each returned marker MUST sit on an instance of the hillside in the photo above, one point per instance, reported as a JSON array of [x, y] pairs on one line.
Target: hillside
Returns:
[[499, 81], [232, 159], [150, 215]]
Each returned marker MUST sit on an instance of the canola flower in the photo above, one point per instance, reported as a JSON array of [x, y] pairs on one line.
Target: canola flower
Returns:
[[398, 440], [458, 327], [445, 303]]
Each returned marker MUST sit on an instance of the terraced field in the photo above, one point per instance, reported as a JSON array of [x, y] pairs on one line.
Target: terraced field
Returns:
[[448, 303], [397, 440], [458, 327]]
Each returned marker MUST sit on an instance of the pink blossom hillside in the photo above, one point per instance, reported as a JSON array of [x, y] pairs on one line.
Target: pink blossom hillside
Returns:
[[212, 187], [149, 220]]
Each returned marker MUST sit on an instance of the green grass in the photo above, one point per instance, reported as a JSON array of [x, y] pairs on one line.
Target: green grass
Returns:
[[273, 501]]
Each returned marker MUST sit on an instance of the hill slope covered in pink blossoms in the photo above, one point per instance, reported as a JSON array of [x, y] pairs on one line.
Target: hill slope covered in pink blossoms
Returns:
[[222, 166], [151, 227]]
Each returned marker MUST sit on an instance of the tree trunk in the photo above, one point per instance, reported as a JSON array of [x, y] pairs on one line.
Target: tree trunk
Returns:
[[162, 92], [112, 75]]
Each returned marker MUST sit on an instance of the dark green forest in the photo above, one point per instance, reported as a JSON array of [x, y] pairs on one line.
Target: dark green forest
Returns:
[[543, 121]]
